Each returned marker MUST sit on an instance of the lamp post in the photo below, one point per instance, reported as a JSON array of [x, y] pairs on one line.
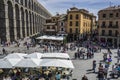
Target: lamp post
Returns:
[[118, 41]]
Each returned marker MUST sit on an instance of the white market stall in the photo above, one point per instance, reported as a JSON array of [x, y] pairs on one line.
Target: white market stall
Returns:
[[28, 63], [34, 55], [56, 56], [15, 56], [8, 63], [45, 37], [56, 63]]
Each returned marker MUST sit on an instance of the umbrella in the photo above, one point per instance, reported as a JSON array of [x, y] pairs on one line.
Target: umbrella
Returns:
[[56, 63], [15, 55], [56, 55], [27, 63], [34, 55], [8, 63]]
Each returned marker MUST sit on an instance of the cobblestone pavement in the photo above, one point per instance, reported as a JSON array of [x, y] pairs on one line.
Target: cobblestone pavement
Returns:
[[82, 67]]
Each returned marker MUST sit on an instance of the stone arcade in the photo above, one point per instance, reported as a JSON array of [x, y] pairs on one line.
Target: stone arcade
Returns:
[[21, 18]]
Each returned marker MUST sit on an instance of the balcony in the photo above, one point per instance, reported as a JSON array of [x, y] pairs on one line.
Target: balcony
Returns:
[[111, 26], [103, 26], [107, 35]]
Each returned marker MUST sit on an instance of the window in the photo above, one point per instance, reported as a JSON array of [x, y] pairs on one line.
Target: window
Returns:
[[77, 24], [104, 15], [76, 30], [70, 30], [116, 23], [110, 15], [48, 27], [62, 24], [117, 14], [53, 27], [70, 23], [103, 24], [110, 33], [71, 16], [62, 29], [110, 24], [77, 16], [103, 32], [116, 33]]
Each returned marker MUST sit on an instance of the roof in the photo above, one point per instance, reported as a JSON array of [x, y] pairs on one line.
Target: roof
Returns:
[[111, 8]]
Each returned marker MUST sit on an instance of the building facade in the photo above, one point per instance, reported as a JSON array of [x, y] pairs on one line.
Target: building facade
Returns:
[[62, 25], [79, 23], [109, 25], [50, 27], [21, 18]]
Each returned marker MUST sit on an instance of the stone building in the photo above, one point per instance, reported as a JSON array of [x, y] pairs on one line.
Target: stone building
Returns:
[[51, 27], [62, 25], [109, 25], [21, 18], [79, 23], [56, 25]]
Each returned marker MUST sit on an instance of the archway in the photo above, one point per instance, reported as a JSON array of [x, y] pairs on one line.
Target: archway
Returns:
[[17, 21], [27, 27], [2, 22], [23, 23], [11, 21]]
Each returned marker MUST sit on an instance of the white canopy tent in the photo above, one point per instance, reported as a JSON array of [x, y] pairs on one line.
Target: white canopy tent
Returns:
[[50, 38], [56, 55], [35, 55], [8, 63], [28, 63], [15, 55], [56, 63]]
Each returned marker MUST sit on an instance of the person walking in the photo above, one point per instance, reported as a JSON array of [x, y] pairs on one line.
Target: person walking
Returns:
[[94, 65], [4, 51]]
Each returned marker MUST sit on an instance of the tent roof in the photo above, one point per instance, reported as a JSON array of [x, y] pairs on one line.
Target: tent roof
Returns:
[[56, 55], [34, 55], [15, 55], [56, 63]]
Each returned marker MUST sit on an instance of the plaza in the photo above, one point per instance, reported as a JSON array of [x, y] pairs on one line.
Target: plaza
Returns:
[[82, 67]]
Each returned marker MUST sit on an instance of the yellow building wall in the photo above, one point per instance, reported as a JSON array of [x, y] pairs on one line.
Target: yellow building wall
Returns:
[[81, 20]]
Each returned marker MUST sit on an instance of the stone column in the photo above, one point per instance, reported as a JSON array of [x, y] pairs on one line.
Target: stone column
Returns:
[[7, 24], [14, 19], [25, 22], [21, 25], [32, 22], [29, 23]]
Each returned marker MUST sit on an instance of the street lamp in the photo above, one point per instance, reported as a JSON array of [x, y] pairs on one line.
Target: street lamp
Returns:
[[118, 41]]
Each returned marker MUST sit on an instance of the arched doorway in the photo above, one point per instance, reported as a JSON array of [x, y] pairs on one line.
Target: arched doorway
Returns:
[[2, 22], [11, 21], [23, 23], [27, 27], [17, 21]]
